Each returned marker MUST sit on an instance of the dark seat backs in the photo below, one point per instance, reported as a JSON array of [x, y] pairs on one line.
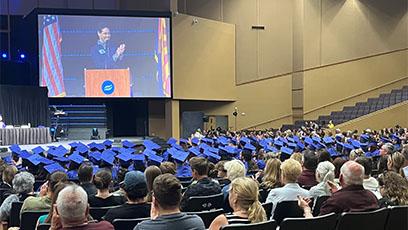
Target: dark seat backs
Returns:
[[14, 219], [374, 220], [319, 201], [207, 216], [268, 225], [98, 212], [120, 224], [397, 218], [268, 209], [286, 209], [201, 203], [326, 222], [29, 219]]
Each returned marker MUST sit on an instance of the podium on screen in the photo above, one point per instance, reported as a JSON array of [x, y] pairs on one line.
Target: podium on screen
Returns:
[[107, 82]]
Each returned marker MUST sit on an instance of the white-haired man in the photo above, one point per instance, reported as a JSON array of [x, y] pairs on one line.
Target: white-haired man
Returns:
[[351, 197], [71, 211]]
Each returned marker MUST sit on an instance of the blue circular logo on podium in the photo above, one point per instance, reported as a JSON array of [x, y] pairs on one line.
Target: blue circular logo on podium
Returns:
[[108, 87]]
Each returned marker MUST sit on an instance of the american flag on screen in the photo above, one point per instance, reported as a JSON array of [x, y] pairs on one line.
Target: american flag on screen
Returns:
[[52, 74], [162, 58]]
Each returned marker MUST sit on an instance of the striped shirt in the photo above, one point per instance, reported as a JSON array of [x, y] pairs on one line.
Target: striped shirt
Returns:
[[234, 219]]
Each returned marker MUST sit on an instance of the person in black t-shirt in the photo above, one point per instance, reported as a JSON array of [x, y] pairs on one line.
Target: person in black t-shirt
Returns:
[[103, 197], [85, 172], [136, 206]]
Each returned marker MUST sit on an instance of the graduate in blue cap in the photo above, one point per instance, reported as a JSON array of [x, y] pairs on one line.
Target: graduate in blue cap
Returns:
[[183, 169], [75, 160]]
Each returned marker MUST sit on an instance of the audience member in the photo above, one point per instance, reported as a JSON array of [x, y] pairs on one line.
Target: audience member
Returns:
[[135, 188], [72, 209], [103, 198], [221, 171], [165, 212], [5, 187], [308, 177], [324, 173], [47, 217], [394, 190], [235, 169], [250, 164], [351, 197], [290, 172], [204, 185], [168, 167], [23, 185], [44, 200], [297, 156], [396, 162], [272, 176], [243, 198], [323, 155], [338, 162], [85, 173], [151, 173], [356, 153], [385, 150], [369, 183]]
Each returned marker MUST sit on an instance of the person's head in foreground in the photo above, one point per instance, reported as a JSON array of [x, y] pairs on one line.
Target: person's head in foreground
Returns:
[[72, 209], [351, 173], [243, 198]]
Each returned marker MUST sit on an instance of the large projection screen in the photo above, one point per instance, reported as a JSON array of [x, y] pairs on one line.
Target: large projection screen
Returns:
[[104, 56]]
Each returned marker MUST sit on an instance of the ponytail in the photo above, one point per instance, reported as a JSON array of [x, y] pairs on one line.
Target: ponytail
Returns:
[[256, 213]]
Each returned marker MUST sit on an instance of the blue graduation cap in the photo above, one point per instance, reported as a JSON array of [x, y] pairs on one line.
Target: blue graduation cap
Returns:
[[15, 148], [328, 140], [75, 157], [245, 140], [261, 164], [300, 145], [385, 139], [38, 150], [203, 146], [296, 138], [290, 139], [125, 156], [97, 156], [338, 137], [249, 147], [348, 146], [271, 149], [74, 144], [155, 158], [171, 141], [195, 141], [223, 140], [177, 146], [317, 139], [138, 157], [364, 137], [150, 144], [180, 156], [24, 154], [61, 159], [116, 149], [292, 145], [332, 152], [95, 169], [212, 155], [278, 143], [355, 143], [7, 159], [56, 152], [229, 149], [82, 149], [207, 140], [110, 152], [107, 143], [286, 150], [212, 149], [108, 158], [194, 150], [148, 152], [36, 159], [128, 144], [308, 140], [54, 167]]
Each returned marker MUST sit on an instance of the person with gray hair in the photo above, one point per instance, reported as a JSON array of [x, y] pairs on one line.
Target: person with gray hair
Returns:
[[235, 169], [351, 197], [71, 211], [23, 185], [324, 173]]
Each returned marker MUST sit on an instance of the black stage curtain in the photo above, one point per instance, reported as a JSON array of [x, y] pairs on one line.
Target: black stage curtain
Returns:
[[21, 105]]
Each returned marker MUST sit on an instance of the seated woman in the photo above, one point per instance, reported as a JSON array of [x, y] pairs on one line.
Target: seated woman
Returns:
[[394, 189], [47, 217], [243, 198], [272, 175], [23, 185], [103, 198], [324, 173], [8, 174]]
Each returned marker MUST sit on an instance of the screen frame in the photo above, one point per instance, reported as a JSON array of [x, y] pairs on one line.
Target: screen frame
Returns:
[[112, 13]]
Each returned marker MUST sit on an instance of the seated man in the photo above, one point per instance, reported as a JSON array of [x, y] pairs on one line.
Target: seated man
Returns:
[[72, 209], [44, 200], [165, 213], [308, 176], [291, 170], [135, 188], [85, 173], [351, 197], [204, 185]]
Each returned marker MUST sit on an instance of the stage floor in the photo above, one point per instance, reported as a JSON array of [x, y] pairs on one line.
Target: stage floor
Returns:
[[117, 142]]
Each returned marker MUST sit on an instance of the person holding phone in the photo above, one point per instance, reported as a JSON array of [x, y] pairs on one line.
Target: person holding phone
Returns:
[[104, 54]]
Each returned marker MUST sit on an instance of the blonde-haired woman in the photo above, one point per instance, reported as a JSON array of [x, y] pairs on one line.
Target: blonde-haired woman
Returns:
[[272, 175], [324, 173], [243, 198]]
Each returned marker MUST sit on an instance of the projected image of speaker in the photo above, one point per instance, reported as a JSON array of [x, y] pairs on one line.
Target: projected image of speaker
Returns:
[[89, 54]]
